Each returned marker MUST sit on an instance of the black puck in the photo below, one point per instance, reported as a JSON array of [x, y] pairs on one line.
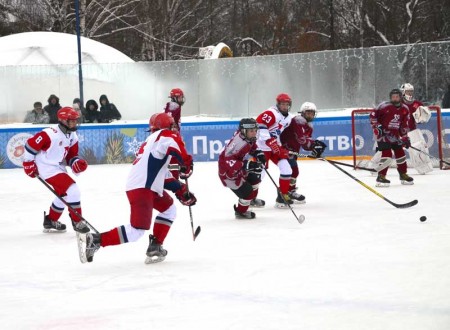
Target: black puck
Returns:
[[423, 218]]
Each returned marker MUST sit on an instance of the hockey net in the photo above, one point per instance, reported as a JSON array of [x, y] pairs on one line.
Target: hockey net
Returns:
[[364, 143]]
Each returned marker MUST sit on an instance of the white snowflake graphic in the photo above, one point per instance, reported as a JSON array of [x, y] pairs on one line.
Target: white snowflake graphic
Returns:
[[133, 146]]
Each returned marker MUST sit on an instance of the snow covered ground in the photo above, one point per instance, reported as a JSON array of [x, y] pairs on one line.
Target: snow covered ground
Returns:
[[356, 263]]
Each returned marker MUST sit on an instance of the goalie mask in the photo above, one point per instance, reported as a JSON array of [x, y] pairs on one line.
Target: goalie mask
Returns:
[[67, 119], [284, 103], [177, 96], [248, 128], [308, 110], [407, 92]]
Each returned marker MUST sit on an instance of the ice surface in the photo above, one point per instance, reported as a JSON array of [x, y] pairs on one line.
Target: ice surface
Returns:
[[356, 263]]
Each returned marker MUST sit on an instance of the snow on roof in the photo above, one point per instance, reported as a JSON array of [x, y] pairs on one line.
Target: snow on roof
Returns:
[[53, 48]]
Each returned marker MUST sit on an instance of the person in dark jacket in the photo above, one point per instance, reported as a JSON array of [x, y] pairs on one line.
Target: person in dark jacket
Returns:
[[78, 107], [52, 108], [108, 111], [446, 99], [92, 113]]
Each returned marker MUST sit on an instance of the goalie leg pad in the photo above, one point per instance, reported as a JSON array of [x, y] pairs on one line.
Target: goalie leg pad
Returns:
[[421, 162]]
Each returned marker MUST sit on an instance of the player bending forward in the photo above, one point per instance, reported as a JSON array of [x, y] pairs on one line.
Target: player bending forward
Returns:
[[238, 171], [390, 125], [45, 154], [271, 124], [296, 136], [145, 192], [418, 115]]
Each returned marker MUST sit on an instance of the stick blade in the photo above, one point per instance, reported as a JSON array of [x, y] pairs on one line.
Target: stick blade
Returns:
[[406, 205], [197, 232]]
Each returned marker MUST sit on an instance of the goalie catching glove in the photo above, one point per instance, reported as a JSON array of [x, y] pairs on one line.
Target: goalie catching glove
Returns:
[[185, 197], [318, 148]]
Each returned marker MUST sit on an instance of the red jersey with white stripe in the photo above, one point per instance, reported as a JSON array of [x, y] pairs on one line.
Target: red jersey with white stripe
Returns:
[[174, 109], [297, 135], [271, 124], [49, 149], [393, 120], [412, 107], [150, 168]]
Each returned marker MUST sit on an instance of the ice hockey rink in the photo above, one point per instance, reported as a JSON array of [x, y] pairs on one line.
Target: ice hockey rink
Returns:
[[357, 262]]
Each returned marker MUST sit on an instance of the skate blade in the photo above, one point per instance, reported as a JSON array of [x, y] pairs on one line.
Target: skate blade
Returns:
[[299, 202], [257, 206], [53, 231], [382, 185], [406, 183], [154, 259], [281, 206], [81, 241]]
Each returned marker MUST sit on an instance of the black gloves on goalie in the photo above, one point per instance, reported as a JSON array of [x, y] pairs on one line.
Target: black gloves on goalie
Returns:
[[252, 167], [185, 197], [318, 148]]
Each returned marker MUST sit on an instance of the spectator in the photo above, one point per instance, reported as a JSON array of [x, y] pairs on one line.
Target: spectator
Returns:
[[52, 108], [108, 111], [37, 115], [92, 113], [79, 109], [446, 99]]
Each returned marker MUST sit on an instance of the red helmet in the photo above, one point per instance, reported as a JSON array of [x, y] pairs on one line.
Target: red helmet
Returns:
[[160, 121], [176, 93], [283, 97], [64, 115]]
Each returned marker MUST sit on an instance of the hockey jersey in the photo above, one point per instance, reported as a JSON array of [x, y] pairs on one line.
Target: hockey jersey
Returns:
[[174, 109], [297, 135], [271, 124], [393, 120]]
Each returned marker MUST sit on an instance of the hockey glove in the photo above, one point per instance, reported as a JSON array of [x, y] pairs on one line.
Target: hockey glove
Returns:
[[259, 154], [318, 148], [406, 141], [79, 165], [187, 169], [253, 167], [185, 197], [273, 144], [30, 168], [378, 131]]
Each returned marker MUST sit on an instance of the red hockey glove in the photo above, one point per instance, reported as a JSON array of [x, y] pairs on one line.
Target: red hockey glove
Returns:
[[406, 141], [284, 153], [30, 168], [378, 131], [187, 169], [185, 197], [273, 144], [79, 165]]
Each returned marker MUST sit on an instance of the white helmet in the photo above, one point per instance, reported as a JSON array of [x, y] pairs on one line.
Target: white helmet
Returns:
[[308, 106], [407, 87]]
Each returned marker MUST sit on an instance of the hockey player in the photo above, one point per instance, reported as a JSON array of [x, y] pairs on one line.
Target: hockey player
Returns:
[[390, 125], [418, 115], [145, 192], [238, 171], [173, 107], [271, 124], [296, 136], [44, 155]]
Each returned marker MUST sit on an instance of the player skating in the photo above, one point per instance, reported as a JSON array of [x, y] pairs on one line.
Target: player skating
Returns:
[[390, 124], [145, 192], [418, 114], [173, 107], [296, 136], [238, 171], [46, 154], [271, 124]]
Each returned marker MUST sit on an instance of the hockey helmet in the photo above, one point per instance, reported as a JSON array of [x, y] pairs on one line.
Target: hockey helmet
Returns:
[[247, 124], [64, 115], [176, 94], [308, 110], [284, 98], [395, 91], [407, 92], [161, 121]]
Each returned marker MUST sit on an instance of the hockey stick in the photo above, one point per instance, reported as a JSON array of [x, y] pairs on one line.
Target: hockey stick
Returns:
[[399, 206], [198, 229], [301, 217], [67, 204], [343, 164]]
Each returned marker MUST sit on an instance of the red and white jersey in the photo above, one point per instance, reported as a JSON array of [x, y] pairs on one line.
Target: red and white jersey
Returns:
[[174, 109], [271, 124], [412, 106], [49, 149], [393, 120], [150, 168], [297, 135]]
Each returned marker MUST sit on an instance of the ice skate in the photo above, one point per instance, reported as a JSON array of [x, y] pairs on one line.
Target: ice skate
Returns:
[[155, 252], [406, 179], [283, 201], [245, 215], [92, 243], [256, 202], [80, 227], [296, 197], [53, 226], [382, 181]]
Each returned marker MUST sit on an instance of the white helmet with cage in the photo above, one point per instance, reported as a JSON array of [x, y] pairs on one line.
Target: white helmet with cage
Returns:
[[308, 110], [407, 92]]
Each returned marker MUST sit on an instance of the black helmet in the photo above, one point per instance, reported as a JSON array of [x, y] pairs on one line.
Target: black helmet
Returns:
[[244, 125], [393, 92]]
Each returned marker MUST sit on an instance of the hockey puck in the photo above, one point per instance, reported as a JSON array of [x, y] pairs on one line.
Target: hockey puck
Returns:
[[423, 218]]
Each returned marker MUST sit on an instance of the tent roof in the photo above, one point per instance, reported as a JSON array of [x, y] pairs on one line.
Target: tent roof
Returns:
[[53, 48]]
